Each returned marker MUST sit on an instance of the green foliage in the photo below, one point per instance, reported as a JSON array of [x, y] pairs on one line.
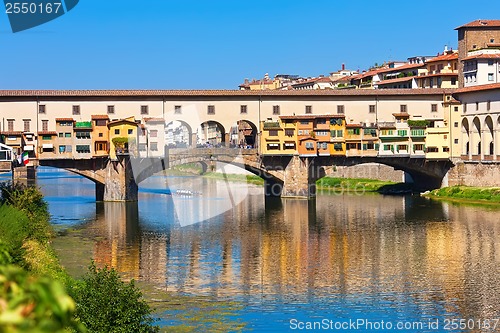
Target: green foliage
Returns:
[[13, 232], [469, 193], [107, 304], [418, 123], [30, 201], [31, 304], [351, 184], [122, 140]]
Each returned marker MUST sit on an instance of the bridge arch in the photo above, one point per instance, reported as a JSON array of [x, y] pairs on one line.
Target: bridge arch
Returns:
[[243, 134], [211, 133], [178, 134]]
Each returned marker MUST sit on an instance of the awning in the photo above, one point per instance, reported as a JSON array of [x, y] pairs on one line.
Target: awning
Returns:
[[28, 148], [47, 146]]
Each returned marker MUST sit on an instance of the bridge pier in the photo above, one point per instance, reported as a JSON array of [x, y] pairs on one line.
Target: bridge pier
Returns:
[[119, 182], [25, 175]]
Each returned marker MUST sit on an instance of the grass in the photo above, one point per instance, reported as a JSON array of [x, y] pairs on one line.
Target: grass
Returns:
[[250, 179], [468, 194], [352, 184]]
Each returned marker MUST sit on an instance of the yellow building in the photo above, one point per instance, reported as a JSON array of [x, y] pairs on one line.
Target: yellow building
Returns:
[[100, 137], [441, 71], [123, 137], [278, 137], [337, 136], [437, 141]]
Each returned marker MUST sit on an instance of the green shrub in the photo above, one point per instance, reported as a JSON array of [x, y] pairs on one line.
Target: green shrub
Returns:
[[104, 303], [32, 304], [30, 201], [13, 232]]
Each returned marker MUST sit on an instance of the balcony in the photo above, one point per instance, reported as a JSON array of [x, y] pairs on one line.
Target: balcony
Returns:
[[83, 124], [271, 125]]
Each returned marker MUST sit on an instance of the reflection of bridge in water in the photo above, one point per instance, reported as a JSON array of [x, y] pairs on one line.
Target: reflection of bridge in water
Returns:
[[284, 175]]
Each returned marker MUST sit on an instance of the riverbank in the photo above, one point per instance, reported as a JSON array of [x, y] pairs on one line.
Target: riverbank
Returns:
[[360, 185], [467, 194]]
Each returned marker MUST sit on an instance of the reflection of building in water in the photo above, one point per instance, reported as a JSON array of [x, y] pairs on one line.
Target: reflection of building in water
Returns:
[[356, 245]]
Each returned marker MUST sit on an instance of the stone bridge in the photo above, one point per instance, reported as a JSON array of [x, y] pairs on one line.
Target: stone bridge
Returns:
[[287, 176]]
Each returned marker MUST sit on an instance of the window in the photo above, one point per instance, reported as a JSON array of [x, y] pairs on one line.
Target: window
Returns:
[[45, 125], [490, 76], [82, 135], [309, 109], [388, 148], [289, 132], [402, 132], [41, 108], [101, 146], [488, 105], [477, 106], [142, 147], [446, 149], [10, 125], [273, 133], [340, 109], [153, 133], [403, 108], [111, 109], [243, 109], [434, 107], [322, 133], [46, 137], [309, 145], [67, 135], [321, 121], [101, 135], [117, 131], [211, 109], [76, 110], [153, 146], [432, 149], [417, 132], [100, 122], [62, 149], [337, 146], [130, 131], [353, 131], [276, 109], [453, 81], [289, 145], [492, 40], [402, 148], [61, 135], [82, 149], [465, 108], [455, 124], [273, 146], [371, 108], [144, 109], [304, 122], [455, 108], [177, 109], [418, 147], [456, 141], [490, 62], [26, 125]]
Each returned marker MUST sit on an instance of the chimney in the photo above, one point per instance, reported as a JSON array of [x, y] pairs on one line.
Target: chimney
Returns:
[[343, 67], [445, 48], [246, 81]]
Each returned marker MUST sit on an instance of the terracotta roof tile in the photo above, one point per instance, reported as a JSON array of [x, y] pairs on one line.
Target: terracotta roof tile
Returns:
[[401, 115], [12, 133], [478, 88], [216, 93], [353, 125], [47, 133], [482, 56], [154, 120], [401, 79], [403, 67], [444, 57], [480, 24], [100, 116], [312, 116], [64, 119]]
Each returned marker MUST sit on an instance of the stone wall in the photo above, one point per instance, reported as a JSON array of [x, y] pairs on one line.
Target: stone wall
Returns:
[[473, 174], [368, 170]]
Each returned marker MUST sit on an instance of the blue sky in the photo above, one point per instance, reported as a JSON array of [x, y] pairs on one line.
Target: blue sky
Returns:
[[164, 44]]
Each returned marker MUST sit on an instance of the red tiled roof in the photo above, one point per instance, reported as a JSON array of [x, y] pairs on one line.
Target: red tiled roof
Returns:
[[444, 57], [47, 133], [353, 125], [482, 56], [401, 115], [154, 120], [401, 79], [217, 93], [100, 116], [64, 119], [403, 67], [480, 24], [122, 121], [478, 88], [312, 116], [434, 75], [12, 133]]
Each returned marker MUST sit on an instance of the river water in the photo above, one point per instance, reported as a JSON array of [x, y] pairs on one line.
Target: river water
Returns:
[[228, 260]]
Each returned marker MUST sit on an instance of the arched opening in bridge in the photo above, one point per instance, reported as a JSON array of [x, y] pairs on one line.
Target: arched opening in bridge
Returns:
[[488, 135], [178, 134], [243, 134], [476, 133], [211, 134], [465, 136]]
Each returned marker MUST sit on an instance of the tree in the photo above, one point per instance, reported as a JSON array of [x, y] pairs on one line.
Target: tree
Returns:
[[104, 303]]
